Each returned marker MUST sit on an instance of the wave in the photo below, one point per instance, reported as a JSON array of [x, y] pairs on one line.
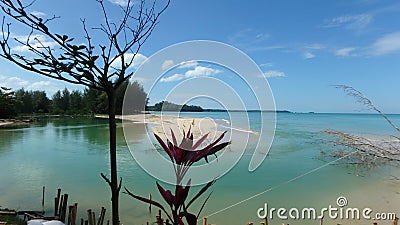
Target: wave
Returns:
[[240, 130]]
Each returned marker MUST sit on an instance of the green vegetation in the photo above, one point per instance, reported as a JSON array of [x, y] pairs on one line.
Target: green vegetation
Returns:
[[7, 103], [169, 106], [89, 101], [12, 220]]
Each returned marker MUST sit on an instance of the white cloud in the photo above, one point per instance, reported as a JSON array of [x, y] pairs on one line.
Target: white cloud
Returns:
[[387, 44], [175, 77], [315, 46], [38, 13], [196, 72], [266, 65], [167, 64], [120, 2], [308, 55], [345, 52], [188, 64], [36, 41], [40, 85], [12, 82], [354, 22], [15, 83], [138, 59], [251, 40], [274, 73]]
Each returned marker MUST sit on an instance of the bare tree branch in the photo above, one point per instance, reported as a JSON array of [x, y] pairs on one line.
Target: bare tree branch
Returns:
[[369, 151], [362, 99]]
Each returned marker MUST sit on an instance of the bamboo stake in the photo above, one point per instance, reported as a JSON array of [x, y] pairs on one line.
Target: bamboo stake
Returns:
[[204, 220], [150, 203], [64, 208], [60, 206], [94, 218], [265, 222], [43, 199], [69, 221], [74, 211], [90, 218], [102, 214], [57, 202], [159, 219]]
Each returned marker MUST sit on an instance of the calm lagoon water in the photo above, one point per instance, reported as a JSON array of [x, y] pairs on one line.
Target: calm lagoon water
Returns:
[[71, 153]]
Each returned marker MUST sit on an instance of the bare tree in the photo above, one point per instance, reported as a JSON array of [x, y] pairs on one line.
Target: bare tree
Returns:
[[99, 64], [365, 151]]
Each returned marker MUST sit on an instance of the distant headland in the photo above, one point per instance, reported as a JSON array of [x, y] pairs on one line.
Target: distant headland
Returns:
[[173, 107]]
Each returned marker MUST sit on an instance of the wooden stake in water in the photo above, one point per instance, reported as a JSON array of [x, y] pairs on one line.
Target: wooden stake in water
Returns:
[[265, 222], [395, 221], [43, 199], [57, 203], [205, 221], [150, 203]]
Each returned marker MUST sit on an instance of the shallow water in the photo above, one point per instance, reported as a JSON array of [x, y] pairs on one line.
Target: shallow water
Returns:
[[71, 153]]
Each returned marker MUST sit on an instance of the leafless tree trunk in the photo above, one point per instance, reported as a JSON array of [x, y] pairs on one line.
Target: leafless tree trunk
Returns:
[[96, 64]]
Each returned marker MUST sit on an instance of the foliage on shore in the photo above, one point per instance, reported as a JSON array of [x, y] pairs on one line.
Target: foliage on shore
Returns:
[[89, 101], [12, 220], [169, 106]]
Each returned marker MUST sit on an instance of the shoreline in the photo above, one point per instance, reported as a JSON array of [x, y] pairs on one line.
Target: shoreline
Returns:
[[163, 124], [13, 123]]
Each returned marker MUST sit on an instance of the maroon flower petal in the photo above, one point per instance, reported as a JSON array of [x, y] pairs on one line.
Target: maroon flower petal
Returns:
[[164, 146], [181, 194], [174, 138], [166, 194], [198, 143]]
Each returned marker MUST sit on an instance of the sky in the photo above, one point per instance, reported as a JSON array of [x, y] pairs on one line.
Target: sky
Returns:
[[303, 48]]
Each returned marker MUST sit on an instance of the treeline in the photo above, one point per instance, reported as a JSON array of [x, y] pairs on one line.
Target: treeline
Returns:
[[169, 106], [66, 102]]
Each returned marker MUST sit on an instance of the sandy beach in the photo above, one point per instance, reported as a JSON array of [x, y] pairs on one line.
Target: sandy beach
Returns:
[[11, 123], [163, 124]]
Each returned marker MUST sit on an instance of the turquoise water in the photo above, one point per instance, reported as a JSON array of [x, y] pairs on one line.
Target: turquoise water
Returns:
[[71, 153]]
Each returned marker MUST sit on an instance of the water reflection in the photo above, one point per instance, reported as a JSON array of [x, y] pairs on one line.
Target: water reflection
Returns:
[[9, 138]]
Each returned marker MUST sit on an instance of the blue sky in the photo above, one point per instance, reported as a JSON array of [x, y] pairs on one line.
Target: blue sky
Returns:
[[302, 47]]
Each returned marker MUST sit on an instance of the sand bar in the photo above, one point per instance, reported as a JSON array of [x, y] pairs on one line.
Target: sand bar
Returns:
[[163, 124]]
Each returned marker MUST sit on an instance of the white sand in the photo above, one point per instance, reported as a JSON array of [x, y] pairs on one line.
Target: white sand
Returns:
[[165, 123]]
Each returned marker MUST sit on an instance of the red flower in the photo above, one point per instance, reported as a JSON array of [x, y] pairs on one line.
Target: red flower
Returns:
[[183, 156]]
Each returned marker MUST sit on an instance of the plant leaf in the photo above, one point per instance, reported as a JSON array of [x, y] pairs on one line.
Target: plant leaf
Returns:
[[144, 199], [204, 189], [164, 146], [174, 138], [166, 194], [191, 219], [204, 203], [211, 151]]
